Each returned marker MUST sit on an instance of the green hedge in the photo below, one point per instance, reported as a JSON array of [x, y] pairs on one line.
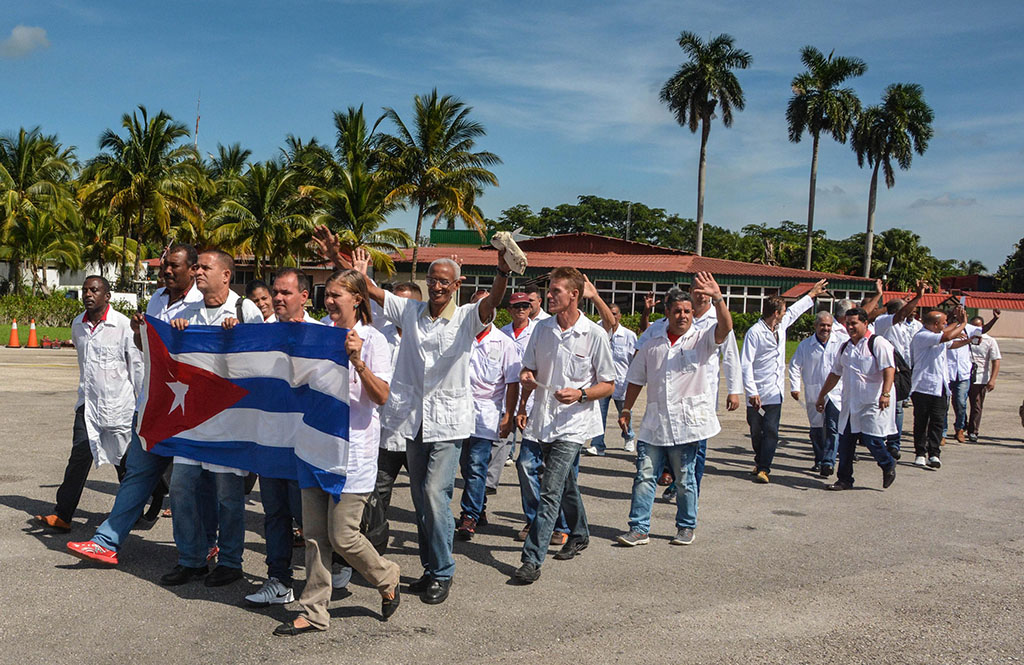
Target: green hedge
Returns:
[[53, 310]]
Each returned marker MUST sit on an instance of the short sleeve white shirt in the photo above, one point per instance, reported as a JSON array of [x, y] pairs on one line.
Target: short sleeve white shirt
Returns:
[[493, 365], [680, 400], [810, 366], [623, 343], [984, 350], [930, 373], [575, 358], [363, 413], [862, 374]]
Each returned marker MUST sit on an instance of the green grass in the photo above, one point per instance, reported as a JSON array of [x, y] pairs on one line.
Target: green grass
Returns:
[[41, 331]]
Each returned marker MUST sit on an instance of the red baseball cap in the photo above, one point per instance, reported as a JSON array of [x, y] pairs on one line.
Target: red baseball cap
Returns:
[[518, 298]]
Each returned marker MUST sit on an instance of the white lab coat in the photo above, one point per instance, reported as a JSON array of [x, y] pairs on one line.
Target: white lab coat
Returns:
[[110, 374]]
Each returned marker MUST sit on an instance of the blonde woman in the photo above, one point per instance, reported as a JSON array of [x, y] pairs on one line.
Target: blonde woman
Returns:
[[331, 521]]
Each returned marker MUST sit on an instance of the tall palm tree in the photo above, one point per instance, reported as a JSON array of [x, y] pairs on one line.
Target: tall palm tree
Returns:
[[433, 162], [260, 218], [892, 131], [43, 239], [819, 105], [146, 177], [35, 173], [697, 88]]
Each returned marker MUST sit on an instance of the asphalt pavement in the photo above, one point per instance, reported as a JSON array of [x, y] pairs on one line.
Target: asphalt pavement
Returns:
[[927, 571]]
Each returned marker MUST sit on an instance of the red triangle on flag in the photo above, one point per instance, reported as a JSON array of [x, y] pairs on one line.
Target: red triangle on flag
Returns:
[[180, 396]]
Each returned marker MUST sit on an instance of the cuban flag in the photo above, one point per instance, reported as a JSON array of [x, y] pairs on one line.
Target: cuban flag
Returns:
[[268, 398]]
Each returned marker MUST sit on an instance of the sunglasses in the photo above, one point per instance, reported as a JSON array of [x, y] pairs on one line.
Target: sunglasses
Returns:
[[521, 305]]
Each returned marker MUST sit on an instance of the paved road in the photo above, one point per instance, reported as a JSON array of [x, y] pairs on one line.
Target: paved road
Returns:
[[928, 571]]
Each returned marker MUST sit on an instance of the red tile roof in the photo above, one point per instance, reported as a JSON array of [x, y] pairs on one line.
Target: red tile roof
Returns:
[[655, 259], [975, 299]]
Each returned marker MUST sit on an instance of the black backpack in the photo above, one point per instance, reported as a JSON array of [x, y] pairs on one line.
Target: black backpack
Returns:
[[901, 382], [374, 524]]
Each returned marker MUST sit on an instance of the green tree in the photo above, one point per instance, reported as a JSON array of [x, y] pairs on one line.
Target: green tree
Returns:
[[147, 177], [433, 161], [890, 132], [700, 86], [35, 173], [972, 267], [1010, 276], [43, 239], [819, 105], [260, 219]]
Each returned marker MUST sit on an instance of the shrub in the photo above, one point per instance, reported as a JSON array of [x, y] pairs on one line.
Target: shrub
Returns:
[[53, 310]]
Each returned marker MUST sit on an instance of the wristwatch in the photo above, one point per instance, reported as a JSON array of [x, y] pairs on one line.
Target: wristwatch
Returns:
[[583, 395]]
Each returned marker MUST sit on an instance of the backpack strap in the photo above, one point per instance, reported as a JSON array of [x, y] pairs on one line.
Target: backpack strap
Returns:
[[238, 309]]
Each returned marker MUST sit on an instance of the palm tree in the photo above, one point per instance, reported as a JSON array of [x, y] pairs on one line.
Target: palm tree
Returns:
[[819, 105], [35, 172], [350, 194], [892, 131], [972, 267], [145, 177], [102, 241], [433, 163], [43, 239], [697, 88], [261, 219]]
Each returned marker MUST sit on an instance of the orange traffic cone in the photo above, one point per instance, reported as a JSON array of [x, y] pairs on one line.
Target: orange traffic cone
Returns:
[[15, 342], [33, 343]]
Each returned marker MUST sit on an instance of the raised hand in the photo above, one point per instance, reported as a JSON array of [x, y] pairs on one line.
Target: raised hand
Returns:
[[649, 302], [818, 288], [361, 261], [704, 284], [878, 286], [328, 246], [589, 290]]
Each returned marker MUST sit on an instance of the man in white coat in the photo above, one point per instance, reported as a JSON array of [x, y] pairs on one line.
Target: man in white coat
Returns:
[[866, 367], [109, 372], [810, 365]]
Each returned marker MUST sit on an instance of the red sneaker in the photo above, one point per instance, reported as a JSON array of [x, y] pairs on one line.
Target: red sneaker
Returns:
[[212, 554], [90, 551]]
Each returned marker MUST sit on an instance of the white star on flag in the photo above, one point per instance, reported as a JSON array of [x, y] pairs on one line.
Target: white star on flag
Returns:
[[179, 389]]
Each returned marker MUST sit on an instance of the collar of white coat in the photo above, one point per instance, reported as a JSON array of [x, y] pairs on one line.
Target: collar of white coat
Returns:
[[580, 327], [447, 313], [192, 295], [663, 332]]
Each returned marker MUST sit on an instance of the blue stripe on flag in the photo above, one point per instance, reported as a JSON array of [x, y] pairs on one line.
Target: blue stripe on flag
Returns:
[[303, 340], [269, 461], [311, 476], [320, 410]]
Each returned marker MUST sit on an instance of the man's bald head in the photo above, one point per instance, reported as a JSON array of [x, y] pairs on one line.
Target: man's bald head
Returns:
[[934, 320]]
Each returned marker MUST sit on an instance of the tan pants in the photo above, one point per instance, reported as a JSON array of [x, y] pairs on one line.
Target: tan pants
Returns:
[[328, 526]]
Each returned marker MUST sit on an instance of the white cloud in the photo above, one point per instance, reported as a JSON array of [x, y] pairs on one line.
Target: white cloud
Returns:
[[944, 201], [23, 40]]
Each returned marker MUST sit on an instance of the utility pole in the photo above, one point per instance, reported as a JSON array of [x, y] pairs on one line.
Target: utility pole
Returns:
[[629, 218]]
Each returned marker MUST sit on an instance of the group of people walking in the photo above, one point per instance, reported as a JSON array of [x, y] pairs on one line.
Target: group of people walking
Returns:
[[434, 387]]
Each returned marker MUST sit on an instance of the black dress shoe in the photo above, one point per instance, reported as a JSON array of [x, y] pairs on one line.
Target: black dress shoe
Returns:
[[389, 606], [182, 574], [289, 630], [889, 476], [826, 470], [437, 592], [816, 468], [420, 585], [571, 549], [222, 575], [528, 573]]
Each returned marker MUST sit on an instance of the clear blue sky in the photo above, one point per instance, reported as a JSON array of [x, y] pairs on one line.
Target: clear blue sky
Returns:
[[567, 92]]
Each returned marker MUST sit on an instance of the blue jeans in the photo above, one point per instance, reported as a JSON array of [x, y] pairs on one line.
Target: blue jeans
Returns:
[[190, 512], [558, 492], [530, 467], [649, 462], [825, 439], [476, 456], [282, 503], [958, 399], [848, 446], [143, 471], [432, 482], [764, 434], [892, 441], [598, 441]]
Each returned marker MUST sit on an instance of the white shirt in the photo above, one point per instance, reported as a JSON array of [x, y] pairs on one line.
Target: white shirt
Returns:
[[960, 358], [363, 413], [198, 314], [389, 439], [764, 355], [930, 373], [575, 358], [680, 399], [159, 308], [430, 387], [493, 365], [541, 315], [901, 333], [862, 377], [623, 343], [883, 323], [110, 371], [521, 341], [984, 350], [728, 353], [811, 364]]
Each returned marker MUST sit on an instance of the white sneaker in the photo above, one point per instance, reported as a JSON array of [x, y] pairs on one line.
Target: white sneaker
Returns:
[[341, 575], [509, 462], [934, 462], [593, 452], [631, 446], [273, 592], [921, 461]]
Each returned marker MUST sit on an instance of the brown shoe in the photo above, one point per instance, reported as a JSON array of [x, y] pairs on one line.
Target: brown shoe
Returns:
[[960, 436], [559, 538], [523, 533], [53, 522]]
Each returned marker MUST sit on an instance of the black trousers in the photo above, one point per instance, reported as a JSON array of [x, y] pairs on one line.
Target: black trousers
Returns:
[[389, 464], [929, 420], [80, 462]]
